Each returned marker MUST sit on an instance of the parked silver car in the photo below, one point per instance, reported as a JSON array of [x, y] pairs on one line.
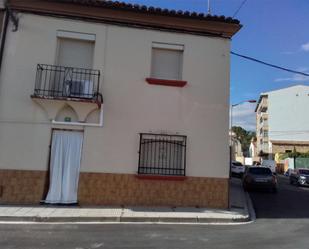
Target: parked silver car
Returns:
[[300, 177], [259, 178]]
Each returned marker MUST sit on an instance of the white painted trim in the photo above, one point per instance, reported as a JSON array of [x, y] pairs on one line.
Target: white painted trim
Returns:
[[76, 35], [168, 46], [100, 124], [162, 223]]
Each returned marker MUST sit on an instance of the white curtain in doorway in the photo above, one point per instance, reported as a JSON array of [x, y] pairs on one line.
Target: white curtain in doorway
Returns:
[[64, 167]]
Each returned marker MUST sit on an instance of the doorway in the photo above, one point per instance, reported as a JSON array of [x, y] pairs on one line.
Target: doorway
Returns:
[[65, 159]]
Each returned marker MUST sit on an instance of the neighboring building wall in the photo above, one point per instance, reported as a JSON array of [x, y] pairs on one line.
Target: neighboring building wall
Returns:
[[253, 152], [236, 150], [280, 116], [287, 114], [283, 148], [199, 110]]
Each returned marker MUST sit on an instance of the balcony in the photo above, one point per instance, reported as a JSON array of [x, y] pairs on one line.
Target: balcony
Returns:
[[263, 106], [67, 83], [59, 86], [265, 125], [265, 147]]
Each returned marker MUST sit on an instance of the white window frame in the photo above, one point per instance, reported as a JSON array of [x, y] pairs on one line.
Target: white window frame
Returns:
[[170, 47], [76, 35], [64, 34]]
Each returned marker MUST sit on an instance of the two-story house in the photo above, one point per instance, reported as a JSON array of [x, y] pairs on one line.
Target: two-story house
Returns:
[[110, 103]]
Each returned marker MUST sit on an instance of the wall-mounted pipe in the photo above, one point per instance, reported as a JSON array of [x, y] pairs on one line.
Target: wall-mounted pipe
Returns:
[[100, 124], [3, 36]]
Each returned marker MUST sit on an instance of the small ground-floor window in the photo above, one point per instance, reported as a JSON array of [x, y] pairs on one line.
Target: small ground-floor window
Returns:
[[161, 154]]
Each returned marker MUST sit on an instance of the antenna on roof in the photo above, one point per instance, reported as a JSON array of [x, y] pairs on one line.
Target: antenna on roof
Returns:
[[208, 9]]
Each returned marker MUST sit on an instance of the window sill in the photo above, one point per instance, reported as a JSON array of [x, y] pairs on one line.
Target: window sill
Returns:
[[161, 177], [163, 82]]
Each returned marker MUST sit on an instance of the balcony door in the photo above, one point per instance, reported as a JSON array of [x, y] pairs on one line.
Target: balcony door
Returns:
[[64, 167], [73, 77]]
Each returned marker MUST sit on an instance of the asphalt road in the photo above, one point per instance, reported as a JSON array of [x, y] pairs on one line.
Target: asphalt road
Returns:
[[283, 222], [291, 202]]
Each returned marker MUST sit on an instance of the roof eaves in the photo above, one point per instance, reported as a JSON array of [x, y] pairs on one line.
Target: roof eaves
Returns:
[[291, 142], [152, 10], [262, 95]]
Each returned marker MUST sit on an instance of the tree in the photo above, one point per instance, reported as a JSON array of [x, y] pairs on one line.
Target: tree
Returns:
[[294, 153], [244, 137]]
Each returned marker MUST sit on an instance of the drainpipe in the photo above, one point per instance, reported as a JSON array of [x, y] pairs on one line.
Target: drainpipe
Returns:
[[3, 38]]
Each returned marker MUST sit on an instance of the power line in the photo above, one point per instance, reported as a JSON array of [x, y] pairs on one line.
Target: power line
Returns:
[[269, 64], [239, 8]]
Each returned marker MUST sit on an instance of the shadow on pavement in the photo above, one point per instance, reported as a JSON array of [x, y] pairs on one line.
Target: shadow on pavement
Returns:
[[290, 201]]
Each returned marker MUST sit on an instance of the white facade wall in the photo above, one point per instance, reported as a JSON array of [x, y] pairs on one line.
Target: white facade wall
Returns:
[[288, 114], [131, 106]]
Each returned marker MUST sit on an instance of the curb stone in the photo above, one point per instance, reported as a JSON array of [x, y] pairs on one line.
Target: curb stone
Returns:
[[250, 208], [197, 220], [243, 214]]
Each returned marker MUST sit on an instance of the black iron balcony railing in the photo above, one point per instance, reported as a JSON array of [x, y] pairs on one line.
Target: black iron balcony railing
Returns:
[[67, 82], [162, 154]]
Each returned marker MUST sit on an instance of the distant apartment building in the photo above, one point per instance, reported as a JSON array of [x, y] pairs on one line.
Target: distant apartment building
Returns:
[[281, 120], [262, 124]]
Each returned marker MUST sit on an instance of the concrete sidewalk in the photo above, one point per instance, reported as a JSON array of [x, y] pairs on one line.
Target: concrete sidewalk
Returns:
[[238, 212]]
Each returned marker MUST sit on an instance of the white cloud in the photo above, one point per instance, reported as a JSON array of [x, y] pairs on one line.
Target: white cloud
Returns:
[[302, 69], [296, 77], [244, 116], [305, 47], [288, 52]]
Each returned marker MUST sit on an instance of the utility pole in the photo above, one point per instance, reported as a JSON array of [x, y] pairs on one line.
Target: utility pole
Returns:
[[208, 9]]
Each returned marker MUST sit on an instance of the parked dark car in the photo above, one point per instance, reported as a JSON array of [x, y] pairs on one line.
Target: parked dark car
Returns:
[[259, 178], [300, 177]]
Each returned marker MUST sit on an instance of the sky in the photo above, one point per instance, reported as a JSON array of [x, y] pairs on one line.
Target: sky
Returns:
[[275, 31]]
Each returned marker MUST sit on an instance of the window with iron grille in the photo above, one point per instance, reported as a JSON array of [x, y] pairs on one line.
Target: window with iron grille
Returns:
[[162, 154]]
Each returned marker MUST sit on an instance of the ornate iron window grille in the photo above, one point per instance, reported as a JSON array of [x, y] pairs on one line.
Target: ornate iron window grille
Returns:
[[161, 154]]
